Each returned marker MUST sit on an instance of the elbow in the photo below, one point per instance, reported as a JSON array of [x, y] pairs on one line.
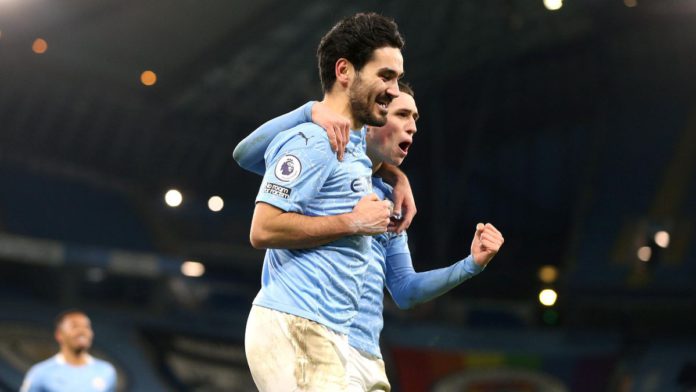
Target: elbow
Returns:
[[237, 155], [404, 303], [259, 239]]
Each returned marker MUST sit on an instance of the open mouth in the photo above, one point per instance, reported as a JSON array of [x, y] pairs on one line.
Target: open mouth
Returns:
[[404, 146], [383, 103]]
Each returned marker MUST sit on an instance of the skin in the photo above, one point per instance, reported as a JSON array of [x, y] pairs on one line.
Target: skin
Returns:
[[74, 335], [390, 144], [363, 97]]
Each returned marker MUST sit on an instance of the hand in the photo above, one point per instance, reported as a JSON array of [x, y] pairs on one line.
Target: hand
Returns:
[[371, 215], [404, 205], [337, 127], [486, 243]]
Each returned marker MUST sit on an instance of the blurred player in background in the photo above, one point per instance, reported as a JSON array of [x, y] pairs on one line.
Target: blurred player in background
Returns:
[[72, 369]]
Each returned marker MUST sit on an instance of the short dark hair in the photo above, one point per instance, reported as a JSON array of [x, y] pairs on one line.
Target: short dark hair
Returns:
[[406, 88], [355, 38], [62, 315]]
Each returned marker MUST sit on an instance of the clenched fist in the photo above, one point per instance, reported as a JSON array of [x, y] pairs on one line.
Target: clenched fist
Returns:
[[371, 215]]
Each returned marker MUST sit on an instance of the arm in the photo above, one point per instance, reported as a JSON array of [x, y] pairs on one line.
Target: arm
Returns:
[[409, 288], [30, 383], [404, 203], [113, 380], [249, 152], [272, 227], [298, 166]]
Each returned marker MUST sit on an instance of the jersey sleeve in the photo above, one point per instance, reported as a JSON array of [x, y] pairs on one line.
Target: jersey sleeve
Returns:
[[112, 381], [408, 287], [249, 153], [31, 382], [297, 167]]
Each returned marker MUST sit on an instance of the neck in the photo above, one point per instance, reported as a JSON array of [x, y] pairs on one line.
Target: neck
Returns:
[[339, 103], [376, 162], [75, 358]]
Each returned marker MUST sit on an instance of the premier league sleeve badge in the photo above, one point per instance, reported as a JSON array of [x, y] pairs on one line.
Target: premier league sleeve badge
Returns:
[[288, 168]]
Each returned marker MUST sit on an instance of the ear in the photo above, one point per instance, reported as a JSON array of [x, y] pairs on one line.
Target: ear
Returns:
[[344, 72], [57, 336]]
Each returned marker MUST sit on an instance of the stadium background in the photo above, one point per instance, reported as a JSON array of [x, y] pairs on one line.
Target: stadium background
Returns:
[[573, 131]]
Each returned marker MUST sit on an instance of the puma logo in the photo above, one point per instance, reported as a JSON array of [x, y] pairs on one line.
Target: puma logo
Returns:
[[305, 137]]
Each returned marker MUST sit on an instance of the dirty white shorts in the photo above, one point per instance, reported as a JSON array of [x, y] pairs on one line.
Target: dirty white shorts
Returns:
[[366, 372], [291, 353]]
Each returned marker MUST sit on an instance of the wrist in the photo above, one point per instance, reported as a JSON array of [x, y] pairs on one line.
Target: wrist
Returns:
[[349, 223]]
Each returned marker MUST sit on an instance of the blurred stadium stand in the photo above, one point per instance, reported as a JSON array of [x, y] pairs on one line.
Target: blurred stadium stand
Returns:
[[572, 131]]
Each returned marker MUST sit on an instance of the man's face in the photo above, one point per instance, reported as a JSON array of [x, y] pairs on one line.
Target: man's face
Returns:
[[375, 86], [75, 332], [390, 143]]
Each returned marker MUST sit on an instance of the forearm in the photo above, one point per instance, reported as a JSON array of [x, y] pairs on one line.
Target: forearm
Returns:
[[249, 153], [410, 288], [290, 230]]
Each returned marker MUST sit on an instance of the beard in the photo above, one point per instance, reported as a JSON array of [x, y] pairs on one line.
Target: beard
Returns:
[[361, 105]]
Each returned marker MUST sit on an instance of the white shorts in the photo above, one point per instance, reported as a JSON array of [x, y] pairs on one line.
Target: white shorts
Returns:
[[366, 372], [291, 353]]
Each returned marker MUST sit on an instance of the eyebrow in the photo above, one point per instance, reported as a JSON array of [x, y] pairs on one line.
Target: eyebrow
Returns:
[[390, 72], [410, 112]]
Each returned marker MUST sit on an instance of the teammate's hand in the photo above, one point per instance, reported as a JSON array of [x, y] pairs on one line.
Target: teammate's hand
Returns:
[[486, 244], [337, 127], [404, 206], [371, 215]]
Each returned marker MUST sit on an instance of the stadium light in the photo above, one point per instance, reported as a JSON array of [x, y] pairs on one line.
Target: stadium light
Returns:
[[216, 203], [39, 46], [548, 297], [148, 78], [173, 198], [192, 269], [644, 253], [630, 3], [548, 274], [662, 239], [553, 5]]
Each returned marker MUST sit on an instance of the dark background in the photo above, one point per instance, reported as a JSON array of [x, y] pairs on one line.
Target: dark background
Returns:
[[573, 131]]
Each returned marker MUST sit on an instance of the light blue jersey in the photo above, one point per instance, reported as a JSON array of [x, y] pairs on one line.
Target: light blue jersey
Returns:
[[56, 375], [303, 176], [391, 264], [390, 258]]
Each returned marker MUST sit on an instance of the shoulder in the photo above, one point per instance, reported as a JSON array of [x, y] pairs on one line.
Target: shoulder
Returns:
[[102, 364], [305, 134], [44, 365], [38, 371]]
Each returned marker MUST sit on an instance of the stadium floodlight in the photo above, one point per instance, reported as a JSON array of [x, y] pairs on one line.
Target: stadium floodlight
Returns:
[[644, 253], [548, 297], [662, 239], [193, 269], [216, 203], [173, 198], [553, 5]]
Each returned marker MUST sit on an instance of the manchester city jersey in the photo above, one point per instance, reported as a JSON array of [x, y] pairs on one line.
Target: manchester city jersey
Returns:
[[303, 176], [367, 325], [56, 375]]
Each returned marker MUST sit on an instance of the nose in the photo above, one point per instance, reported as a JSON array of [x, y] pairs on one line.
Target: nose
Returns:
[[411, 127], [393, 88]]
